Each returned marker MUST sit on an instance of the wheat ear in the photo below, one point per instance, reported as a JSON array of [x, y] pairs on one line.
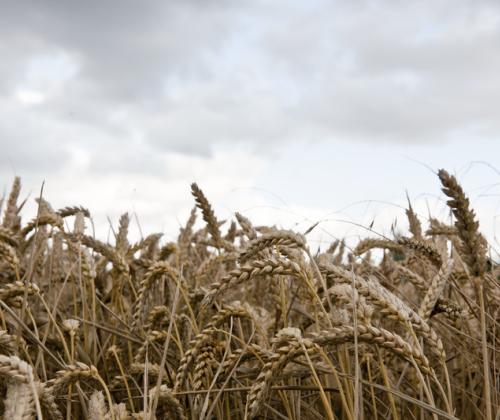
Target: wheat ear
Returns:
[[285, 349], [474, 244], [203, 337], [155, 272], [168, 402], [388, 303], [278, 238], [208, 214], [266, 266], [97, 406], [435, 290], [11, 219]]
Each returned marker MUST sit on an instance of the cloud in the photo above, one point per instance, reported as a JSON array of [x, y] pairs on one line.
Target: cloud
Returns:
[[130, 83], [28, 143]]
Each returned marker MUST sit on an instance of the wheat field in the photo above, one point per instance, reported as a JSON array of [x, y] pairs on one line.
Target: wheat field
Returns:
[[238, 321]]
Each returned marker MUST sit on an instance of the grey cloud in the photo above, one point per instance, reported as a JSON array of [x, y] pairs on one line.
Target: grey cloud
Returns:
[[124, 49], [29, 144], [410, 72], [109, 157], [185, 75]]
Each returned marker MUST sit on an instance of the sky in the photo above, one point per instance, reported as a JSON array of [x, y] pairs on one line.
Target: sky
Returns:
[[290, 112]]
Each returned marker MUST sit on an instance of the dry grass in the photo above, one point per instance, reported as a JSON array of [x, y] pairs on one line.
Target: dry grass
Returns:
[[238, 321]]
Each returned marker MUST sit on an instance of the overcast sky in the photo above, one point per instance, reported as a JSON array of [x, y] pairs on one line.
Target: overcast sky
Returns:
[[290, 112]]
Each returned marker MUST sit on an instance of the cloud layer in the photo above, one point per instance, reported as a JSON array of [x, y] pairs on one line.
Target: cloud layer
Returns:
[[184, 76]]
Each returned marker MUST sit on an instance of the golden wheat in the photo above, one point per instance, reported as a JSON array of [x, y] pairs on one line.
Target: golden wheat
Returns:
[[234, 320]]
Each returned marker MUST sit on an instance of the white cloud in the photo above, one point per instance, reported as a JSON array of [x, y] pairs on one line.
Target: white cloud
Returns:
[[29, 97]]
